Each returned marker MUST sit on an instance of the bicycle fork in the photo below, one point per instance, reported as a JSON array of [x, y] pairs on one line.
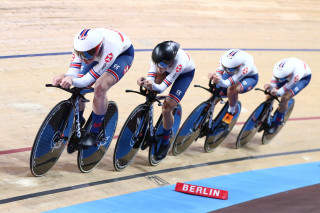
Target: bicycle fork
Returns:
[[151, 121], [269, 114], [141, 131], [210, 116], [201, 123], [77, 118]]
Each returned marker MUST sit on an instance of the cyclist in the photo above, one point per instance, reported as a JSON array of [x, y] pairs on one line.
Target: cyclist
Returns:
[[236, 74], [290, 76], [101, 56], [170, 65]]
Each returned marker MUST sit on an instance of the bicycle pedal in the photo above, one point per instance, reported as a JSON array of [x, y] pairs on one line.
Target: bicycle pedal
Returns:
[[204, 131], [72, 147], [262, 127], [223, 127], [137, 144], [145, 144]]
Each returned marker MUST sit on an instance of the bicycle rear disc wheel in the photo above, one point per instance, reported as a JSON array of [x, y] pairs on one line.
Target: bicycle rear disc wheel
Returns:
[[251, 126], [266, 138], [51, 138], [177, 113], [216, 137], [89, 158], [130, 138], [190, 129]]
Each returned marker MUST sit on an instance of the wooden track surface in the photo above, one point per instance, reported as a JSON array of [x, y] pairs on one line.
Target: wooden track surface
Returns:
[[36, 27]]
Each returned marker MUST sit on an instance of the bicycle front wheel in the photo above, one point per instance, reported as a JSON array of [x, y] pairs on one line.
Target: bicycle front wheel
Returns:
[[177, 113], [51, 138], [251, 126], [130, 138], [89, 158], [190, 129]]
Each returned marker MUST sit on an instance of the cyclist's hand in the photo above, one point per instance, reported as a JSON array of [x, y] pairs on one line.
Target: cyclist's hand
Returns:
[[274, 92], [140, 81], [148, 84], [210, 75], [66, 82], [267, 86], [215, 78], [57, 79]]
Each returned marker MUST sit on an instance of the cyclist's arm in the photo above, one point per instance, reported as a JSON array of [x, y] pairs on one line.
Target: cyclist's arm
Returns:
[[294, 79], [75, 66], [160, 88], [231, 80], [152, 74], [273, 83], [219, 70], [243, 72], [86, 80]]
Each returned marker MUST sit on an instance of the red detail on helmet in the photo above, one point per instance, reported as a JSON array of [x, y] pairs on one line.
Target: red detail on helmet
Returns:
[[179, 68], [108, 58], [296, 79]]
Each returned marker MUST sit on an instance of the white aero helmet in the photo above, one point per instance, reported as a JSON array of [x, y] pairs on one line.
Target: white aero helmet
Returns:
[[283, 69], [87, 42], [232, 60]]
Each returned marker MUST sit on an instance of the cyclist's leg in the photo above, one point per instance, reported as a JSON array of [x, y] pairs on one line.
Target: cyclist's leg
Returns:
[[100, 101], [243, 86], [167, 121], [85, 68], [290, 93], [232, 94], [176, 94]]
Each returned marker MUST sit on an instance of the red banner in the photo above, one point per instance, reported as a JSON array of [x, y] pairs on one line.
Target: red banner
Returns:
[[201, 191]]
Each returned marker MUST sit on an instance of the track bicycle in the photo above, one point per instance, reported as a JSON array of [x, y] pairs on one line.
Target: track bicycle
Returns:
[[261, 119], [61, 124], [200, 123], [139, 132]]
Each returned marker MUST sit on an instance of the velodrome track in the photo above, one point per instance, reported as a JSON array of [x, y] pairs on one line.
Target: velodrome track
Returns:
[[35, 43]]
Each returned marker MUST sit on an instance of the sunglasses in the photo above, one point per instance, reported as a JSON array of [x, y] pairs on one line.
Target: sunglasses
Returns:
[[162, 65], [87, 55], [281, 79], [231, 70]]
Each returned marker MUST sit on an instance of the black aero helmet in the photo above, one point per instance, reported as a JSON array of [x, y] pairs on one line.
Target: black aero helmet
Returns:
[[164, 53]]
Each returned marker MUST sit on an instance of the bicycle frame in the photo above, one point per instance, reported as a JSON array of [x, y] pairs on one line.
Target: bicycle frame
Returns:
[[151, 97], [77, 93], [265, 116], [259, 120], [215, 96]]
